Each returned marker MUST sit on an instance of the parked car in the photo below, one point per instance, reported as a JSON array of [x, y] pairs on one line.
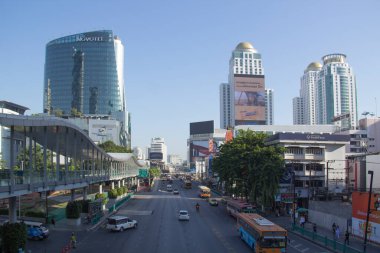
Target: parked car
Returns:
[[120, 223], [213, 202], [33, 224], [34, 233], [175, 191], [183, 215]]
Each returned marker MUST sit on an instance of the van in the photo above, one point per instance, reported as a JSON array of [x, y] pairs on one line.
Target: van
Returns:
[[120, 223], [39, 225], [169, 188]]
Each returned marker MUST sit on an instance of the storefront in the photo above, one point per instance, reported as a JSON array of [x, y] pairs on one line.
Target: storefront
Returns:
[[359, 215]]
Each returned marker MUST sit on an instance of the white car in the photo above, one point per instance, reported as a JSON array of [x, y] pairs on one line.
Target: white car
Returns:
[[183, 215], [120, 223]]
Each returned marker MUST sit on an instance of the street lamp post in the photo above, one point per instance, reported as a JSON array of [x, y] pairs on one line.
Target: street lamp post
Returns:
[[327, 178], [294, 197], [370, 172]]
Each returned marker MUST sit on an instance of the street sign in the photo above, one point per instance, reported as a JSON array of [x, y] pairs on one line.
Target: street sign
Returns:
[[143, 173]]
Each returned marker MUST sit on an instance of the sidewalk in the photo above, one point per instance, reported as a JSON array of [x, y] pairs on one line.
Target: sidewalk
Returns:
[[356, 243], [62, 225]]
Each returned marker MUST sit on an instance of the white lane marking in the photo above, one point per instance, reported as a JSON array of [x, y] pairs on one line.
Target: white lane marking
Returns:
[[296, 246], [304, 250]]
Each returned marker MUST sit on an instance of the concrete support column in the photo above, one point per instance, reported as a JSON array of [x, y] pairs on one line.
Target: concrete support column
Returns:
[[100, 188], [11, 162], [72, 195], [112, 185], [12, 209], [123, 182], [118, 183], [85, 189]]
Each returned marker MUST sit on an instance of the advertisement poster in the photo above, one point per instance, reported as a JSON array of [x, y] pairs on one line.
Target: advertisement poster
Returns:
[[250, 99], [359, 214]]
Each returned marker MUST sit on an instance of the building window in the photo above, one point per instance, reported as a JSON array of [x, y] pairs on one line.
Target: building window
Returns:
[[314, 166], [294, 150], [314, 151]]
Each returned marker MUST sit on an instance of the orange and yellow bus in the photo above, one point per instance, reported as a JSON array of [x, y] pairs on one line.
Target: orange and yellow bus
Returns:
[[261, 234], [204, 192], [235, 206]]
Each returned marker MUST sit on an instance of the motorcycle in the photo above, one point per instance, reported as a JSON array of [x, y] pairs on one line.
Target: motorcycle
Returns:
[[197, 207]]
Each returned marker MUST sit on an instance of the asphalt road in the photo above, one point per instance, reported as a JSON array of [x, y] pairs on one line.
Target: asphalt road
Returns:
[[159, 230]]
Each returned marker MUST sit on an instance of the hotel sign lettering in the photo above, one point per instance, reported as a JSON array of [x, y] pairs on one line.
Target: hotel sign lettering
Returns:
[[91, 39]]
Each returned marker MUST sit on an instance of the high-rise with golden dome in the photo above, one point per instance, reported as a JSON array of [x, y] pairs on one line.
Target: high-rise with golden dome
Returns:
[[304, 106], [328, 94], [244, 99]]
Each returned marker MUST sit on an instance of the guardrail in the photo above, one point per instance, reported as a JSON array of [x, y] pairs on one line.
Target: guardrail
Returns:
[[119, 203], [324, 240]]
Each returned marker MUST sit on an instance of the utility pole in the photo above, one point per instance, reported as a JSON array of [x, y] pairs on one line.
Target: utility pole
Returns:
[[294, 197], [370, 172]]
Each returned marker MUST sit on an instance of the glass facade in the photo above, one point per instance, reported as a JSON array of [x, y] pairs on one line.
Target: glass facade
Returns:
[[85, 71]]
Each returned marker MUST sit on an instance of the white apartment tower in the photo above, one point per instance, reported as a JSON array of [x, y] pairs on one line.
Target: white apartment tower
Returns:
[[336, 93], [244, 99], [269, 116], [298, 111], [304, 105], [158, 150], [225, 105]]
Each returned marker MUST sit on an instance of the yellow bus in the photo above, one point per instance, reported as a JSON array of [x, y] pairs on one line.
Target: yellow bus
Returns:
[[261, 234], [204, 192]]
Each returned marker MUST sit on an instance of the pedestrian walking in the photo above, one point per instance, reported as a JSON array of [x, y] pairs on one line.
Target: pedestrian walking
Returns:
[[302, 221], [347, 238], [53, 221], [333, 229], [73, 240], [315, 228], [337, 232]]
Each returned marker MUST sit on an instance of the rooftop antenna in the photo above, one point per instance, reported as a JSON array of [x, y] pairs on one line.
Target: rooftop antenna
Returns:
[[375, 107]]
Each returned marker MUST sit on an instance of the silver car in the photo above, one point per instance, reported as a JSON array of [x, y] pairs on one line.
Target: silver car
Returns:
[[183, 215]]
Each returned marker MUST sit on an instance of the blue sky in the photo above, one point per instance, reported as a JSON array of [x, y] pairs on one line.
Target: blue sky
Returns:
[[177, 52]]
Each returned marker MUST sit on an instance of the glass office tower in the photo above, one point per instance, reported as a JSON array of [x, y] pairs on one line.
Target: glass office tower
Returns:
[[85, 71]]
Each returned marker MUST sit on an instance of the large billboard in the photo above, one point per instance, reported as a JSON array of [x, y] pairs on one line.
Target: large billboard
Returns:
[[359, 215], [202, 148], [249, 100], [155, 156], [203, 127]]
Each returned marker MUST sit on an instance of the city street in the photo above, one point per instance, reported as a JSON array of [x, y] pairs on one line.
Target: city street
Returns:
[[210, 230]]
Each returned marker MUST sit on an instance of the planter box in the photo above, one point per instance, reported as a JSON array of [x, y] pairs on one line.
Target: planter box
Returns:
[[74, 222]]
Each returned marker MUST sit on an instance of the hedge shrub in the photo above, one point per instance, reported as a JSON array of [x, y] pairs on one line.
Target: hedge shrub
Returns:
[[112, 194], [120, 191], [13, 237], [37, 214], [102, 196], [73, 210]]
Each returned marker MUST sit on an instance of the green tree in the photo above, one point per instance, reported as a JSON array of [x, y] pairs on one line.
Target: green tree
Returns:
[[58, 112], [249, 168], [37, 159], [3, 162], [13, 237], [111, 147], [154, 172], [75, 113]]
